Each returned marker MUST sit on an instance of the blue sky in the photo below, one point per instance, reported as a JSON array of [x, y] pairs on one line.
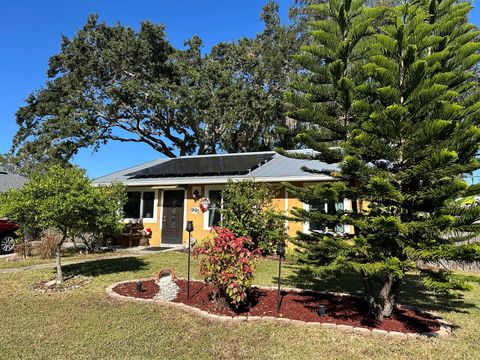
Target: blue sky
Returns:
[[30, 32]]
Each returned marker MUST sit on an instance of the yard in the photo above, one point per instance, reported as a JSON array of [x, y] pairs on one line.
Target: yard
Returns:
[[86, 323], [67, 257]]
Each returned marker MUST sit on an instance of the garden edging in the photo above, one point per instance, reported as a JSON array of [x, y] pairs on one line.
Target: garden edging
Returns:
[[445, 327]]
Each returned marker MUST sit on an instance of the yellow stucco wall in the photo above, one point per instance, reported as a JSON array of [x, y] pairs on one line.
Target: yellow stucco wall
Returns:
[[293, 202], [283, 202], [155, 226], [199, 232]]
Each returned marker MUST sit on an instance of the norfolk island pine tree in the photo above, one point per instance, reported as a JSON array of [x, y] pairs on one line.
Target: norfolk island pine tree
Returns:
[[389, 95]]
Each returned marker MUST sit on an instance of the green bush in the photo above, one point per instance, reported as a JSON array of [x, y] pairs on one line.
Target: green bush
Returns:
[[248, 211]]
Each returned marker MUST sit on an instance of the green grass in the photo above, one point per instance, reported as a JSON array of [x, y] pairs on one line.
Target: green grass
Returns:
[[67, 257], [87, 324]]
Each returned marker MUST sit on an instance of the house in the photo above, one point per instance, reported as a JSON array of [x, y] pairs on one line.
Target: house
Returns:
[[166, 193], [9, 180]]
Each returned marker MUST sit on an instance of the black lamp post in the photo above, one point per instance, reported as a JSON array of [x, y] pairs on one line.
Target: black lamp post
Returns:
[[189, 229], [280, 253]]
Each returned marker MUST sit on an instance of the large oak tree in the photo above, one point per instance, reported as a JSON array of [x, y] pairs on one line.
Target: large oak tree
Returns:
[[112, 83]]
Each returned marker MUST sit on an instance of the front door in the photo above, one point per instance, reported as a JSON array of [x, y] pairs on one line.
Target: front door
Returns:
[[172, 221]]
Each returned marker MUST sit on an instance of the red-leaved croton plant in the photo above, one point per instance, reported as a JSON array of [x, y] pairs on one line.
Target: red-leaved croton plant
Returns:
[[228, 265]]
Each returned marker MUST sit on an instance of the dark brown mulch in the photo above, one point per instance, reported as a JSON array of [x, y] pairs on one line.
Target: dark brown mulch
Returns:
[[295, 306]]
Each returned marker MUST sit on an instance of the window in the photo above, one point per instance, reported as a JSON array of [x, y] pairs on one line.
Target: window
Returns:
[[131, 209], [140, 205], [329, 208], [148, 207], [314, 226], [214, 211]]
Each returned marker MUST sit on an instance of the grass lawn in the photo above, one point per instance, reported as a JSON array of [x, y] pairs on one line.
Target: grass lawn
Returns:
[[67, 257], [86, 324]]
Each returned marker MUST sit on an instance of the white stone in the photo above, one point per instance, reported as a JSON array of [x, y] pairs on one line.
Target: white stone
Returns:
[[168, 289]]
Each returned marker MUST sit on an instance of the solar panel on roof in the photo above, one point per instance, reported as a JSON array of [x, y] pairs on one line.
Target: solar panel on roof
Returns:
[[205, 165]]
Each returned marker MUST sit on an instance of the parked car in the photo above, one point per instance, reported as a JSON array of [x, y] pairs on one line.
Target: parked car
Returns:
[[7, 236]]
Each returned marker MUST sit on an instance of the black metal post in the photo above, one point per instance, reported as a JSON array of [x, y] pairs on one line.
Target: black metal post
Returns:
[[279, 280], [280, 253], [189, 229], [188, 277]]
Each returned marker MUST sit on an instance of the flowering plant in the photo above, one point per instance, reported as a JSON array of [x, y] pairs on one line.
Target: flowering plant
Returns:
[[204, 204], [228, 266]]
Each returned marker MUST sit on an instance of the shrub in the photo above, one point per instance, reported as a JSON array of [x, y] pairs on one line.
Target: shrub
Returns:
[[63, 200], [23, 248], [48, 246], [228, 266], [248, 211]]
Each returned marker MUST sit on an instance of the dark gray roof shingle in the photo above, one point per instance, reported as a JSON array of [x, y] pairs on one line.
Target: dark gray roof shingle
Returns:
[[9, 180]]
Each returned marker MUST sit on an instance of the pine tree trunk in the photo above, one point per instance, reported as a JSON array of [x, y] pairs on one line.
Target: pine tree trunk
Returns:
[[369, 293], [381, 306], [388, 297]]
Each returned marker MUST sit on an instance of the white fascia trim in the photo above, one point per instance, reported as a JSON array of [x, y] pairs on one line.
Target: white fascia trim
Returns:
[[220, 180]]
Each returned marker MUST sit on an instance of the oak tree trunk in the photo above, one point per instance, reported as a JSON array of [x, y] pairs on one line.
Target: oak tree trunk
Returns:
[[59, 265], [58, 260]]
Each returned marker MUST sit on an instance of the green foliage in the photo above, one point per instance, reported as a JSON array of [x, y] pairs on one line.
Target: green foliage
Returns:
[[248, 211], [178, 101], [228, 265], [390, 95], [63, 200]]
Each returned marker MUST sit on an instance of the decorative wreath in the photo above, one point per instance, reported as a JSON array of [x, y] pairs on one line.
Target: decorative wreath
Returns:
[[204, 204]]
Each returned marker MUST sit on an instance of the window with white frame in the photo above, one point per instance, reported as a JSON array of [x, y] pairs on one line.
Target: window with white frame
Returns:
[[140, 205], [329, 208], [213, 217]]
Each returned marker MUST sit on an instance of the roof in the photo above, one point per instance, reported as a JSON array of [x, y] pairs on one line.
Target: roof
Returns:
[[9, 180], [270, 167]]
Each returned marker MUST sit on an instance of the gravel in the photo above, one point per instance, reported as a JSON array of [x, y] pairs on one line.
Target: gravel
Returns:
[[168, 289]]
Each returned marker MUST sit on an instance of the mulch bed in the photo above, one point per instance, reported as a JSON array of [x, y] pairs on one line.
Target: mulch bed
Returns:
[[296, 306]]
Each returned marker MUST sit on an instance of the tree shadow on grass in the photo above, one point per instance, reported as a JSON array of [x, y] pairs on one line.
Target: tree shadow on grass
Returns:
[[414, 292], [336, 281], [105, 266]]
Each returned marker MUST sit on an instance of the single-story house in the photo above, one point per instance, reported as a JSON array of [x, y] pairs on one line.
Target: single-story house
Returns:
[[166, 193], [9, 180]]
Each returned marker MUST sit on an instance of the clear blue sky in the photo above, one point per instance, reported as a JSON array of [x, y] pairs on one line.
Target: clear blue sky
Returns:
[[30, 32]]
